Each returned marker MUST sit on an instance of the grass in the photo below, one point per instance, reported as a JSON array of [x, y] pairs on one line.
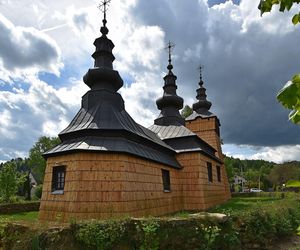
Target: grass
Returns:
[[25, 216], [243, 204], [293, 184]]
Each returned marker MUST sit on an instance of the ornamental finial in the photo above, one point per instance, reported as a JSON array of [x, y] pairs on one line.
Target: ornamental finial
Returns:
[[103, 7], [169, 48], [200, 68]]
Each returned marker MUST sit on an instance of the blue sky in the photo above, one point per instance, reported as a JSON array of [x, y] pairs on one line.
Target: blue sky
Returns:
[[247, 59]]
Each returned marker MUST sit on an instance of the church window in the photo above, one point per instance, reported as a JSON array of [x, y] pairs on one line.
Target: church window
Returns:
[[209, 172], [218, 173], [58, 178], [166, 180]]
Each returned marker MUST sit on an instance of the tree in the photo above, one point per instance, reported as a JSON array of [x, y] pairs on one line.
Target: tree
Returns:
[[289, 95], [283, 173], [10, 180], [36, 161], [186, 111]]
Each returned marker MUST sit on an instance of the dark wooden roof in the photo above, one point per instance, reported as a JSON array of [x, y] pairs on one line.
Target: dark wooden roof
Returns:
[[166, 132], [203, 114], [113, 144], [102, 123], [181, 139]]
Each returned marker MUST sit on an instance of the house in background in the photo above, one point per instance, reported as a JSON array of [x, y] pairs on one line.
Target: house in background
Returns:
[[238, 180], [107, 165]]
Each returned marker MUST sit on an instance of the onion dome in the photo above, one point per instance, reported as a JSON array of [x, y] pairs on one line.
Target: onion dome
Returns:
[[170, 103], [203, 105]]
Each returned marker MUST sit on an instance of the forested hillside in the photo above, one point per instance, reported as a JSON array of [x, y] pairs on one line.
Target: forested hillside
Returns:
[[269, 174]]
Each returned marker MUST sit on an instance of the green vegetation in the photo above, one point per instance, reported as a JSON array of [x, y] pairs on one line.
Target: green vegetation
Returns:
[[10, 180], [293, 184], [101, 236], [252, 222], [186, 111], [240, 205], [36, 161], [289, 95], [15, 174], [262, 174], [25, 216]]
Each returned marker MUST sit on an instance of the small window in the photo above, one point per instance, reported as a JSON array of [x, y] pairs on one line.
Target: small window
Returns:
[[58, 178], [209, 172], [219, 173], [166, 180]]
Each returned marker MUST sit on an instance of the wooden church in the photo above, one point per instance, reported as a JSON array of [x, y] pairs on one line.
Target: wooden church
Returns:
[[107, 165]]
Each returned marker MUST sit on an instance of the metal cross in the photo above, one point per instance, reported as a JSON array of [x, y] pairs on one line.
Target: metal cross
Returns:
[[170, 47], [103, 7], [200, 68]]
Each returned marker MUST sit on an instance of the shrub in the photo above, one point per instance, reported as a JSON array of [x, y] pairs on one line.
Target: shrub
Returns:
[[101, 235], [38, 191]]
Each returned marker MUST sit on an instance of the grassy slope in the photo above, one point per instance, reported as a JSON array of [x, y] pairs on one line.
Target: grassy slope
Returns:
[[26, 216], [239, 205]]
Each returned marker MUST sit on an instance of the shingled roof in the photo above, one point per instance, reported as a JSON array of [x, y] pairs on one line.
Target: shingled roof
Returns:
[[102, 123]]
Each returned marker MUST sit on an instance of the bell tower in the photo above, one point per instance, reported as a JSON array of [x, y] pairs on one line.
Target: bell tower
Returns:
[[203, 122]]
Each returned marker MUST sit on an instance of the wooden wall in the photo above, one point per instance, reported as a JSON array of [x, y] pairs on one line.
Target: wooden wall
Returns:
[[206, 129], [105, 185], [198, 192]]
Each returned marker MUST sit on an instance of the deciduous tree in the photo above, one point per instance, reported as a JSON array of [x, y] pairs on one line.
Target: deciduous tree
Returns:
[[36, 161], [10, 180], [289, 95]]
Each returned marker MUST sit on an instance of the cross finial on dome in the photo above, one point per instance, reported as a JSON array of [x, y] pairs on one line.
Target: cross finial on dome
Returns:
[[169, 48], [103, 7], [200, 68]]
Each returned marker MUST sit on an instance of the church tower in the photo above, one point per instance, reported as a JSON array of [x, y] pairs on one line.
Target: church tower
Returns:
[[170, 103], [107, 165], [203, 122]]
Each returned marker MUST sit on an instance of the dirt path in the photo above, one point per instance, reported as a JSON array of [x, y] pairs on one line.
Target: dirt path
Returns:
[[291, 243]]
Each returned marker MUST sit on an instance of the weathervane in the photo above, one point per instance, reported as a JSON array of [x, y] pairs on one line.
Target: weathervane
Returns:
[[170, 47], [103, 7]]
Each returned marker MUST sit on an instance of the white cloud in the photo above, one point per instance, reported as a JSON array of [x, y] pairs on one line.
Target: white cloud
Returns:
[[246, 58], [140, 98], [24, 50], [277, 154]]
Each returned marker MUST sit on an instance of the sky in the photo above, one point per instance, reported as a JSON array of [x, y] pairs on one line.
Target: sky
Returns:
[[46, 47]]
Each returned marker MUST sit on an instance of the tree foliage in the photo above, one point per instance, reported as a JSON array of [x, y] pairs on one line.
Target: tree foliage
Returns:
[[264, 173], [289, 95], [10, 180], [267, 5], [186, 111], [282, 173], [36, 161]]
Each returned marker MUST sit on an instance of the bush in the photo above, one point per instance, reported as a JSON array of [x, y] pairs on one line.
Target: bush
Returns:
[[38, 191], [101, 235]]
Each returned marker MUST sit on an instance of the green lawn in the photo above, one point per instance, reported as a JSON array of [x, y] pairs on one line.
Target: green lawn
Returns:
[[25, 216], [293, 184], [244, 204]]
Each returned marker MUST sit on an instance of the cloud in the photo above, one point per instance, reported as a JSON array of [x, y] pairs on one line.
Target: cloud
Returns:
[[247, 59], [140, 98], [277, 154], [39, 110], [27, 48]]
